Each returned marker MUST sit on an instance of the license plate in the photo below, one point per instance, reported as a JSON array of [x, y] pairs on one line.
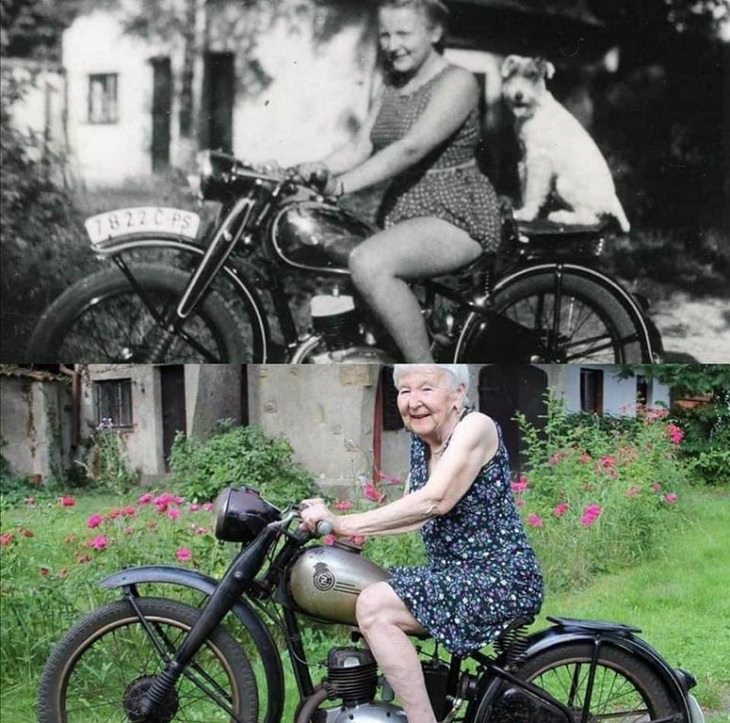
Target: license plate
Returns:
[[144, 219]]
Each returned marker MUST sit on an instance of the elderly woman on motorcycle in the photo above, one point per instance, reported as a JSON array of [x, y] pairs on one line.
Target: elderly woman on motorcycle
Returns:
[[482, 572], [439, 211]]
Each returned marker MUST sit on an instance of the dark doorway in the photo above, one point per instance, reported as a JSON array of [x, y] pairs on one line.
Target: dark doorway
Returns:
[[504, 390], [161, 110], [219, 90], [172, 382]]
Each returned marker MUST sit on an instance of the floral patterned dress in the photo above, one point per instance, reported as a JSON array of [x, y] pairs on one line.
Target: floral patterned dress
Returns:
[[482, 572]]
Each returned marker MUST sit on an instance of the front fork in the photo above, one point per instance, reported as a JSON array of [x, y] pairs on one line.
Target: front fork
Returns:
[[234, 583]]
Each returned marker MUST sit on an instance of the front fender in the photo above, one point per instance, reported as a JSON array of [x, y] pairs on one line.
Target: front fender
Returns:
[[249, 618]]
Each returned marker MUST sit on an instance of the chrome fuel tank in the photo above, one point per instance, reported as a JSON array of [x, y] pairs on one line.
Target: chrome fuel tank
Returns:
[[317, 236], [325, 581]]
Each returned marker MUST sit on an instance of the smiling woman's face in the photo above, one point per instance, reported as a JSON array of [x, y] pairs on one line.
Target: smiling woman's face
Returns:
[[406, 38], [428, 401]]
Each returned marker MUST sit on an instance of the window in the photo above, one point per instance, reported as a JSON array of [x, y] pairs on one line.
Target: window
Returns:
[[114, 402], [591, 391], [642, 390], [392, 420], [103, 98]]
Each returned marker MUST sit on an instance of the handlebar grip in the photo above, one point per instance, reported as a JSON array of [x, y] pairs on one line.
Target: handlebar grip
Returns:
[[324, 528]]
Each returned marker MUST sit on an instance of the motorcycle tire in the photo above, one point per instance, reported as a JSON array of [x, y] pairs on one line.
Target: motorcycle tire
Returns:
[[624, 690], [102, 319], [106, 661], [594, 325]]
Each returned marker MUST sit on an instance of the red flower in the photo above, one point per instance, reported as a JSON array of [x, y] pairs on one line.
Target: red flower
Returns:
[[94, 521], [372, 493], [521, 485], [173, 513], [590, 514], [67, 501], [675, 433], [561, 509], [99, 543], [146, 498], [6, 538]]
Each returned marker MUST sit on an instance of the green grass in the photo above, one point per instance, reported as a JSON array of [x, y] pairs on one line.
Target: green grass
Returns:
[[679, 600]]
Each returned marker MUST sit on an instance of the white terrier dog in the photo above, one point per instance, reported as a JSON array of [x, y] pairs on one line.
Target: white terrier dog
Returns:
[[557, 152]]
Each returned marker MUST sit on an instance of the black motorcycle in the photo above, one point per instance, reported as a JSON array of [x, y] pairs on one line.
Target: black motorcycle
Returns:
[[178, 295], [153, 659]]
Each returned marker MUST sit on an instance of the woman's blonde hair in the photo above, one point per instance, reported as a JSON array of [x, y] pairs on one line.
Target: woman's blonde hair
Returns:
[[435, 12]]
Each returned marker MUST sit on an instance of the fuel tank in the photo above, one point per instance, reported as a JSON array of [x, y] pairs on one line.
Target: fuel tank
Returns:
[[317, 236], [324, 581]]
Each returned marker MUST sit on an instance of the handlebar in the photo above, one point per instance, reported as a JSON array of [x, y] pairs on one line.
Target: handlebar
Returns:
[[324, 527]]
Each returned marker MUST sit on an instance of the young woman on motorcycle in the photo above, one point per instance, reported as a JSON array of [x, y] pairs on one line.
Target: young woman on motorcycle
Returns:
[[421, 134], [482, 572]]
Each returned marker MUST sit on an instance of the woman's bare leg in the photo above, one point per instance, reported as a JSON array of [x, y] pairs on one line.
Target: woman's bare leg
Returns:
[[414, 249], [384, 622]]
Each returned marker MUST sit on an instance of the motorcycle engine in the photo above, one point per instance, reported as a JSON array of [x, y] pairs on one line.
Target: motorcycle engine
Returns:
[[352, 675], [336, 334]]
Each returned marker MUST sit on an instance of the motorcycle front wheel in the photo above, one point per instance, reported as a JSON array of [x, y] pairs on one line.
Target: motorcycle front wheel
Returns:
[[620, 689], [103, 319], [559, 317], [99, 671]]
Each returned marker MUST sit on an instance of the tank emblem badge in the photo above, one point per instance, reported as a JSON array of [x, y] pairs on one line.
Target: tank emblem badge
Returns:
[[323, 578]]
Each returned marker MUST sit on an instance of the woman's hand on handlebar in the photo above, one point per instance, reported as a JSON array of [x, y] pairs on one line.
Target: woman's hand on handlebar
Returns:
[[316, 517], [319, 176]]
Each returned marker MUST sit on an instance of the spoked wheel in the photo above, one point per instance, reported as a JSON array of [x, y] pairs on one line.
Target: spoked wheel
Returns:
[[103, 319], [620, 689], [102, 669], [556, 317]]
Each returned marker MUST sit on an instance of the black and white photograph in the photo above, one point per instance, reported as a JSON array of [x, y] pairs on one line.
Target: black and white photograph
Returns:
[[352, 181]]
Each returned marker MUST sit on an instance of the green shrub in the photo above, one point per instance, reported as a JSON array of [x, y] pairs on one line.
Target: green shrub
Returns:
[[239, 456], [598, 493]]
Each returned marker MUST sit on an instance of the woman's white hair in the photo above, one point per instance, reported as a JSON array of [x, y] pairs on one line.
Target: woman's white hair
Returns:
[[457, 373]]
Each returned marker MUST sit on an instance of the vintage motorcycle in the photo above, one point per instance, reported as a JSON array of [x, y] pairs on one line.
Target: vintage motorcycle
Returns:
[[153, 660], [178, 295]]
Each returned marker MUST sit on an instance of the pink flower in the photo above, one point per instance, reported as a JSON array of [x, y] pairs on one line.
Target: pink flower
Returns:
[[6, 538], [590, 514], [561, 509], [675, 433], [372, 493], [671, 497], [194, 507], [94, 521], [67, 501], [343, 505], [146, 498], [633, 491], [656, 487], [99, 543], [535, 521], [184, 554], [585, 458], [129, 511], [521, 485], [173, 513], [208, 506]]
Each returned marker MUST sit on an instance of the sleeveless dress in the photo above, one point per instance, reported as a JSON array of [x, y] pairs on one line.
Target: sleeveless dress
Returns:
[[446, 183], [482, 571]]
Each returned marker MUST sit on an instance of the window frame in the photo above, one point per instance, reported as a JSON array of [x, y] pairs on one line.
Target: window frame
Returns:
[[110, 111], [122, 414]]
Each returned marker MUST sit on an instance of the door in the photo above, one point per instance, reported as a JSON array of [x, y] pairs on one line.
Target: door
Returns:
[[504, 390], [219, 89], [172, 383], [161, 111]]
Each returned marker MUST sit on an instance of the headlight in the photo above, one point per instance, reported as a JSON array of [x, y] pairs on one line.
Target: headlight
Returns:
[[241, 513]]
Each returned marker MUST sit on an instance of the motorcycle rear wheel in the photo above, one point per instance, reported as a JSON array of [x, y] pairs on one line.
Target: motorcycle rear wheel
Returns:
[[102, 319], [108, 658], [624, 689], [592, 325]]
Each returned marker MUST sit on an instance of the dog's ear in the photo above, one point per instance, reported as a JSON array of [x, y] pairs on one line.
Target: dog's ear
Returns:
[[509, 64], [546, 68]]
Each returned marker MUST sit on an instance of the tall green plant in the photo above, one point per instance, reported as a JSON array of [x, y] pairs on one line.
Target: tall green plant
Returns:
[[237, 455]]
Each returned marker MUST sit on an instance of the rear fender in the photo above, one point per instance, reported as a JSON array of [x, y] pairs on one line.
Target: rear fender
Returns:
[[249, 618], [609, 634]]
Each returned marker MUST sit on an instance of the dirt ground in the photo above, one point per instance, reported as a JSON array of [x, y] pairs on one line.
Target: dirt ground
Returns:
[[693, 329]]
